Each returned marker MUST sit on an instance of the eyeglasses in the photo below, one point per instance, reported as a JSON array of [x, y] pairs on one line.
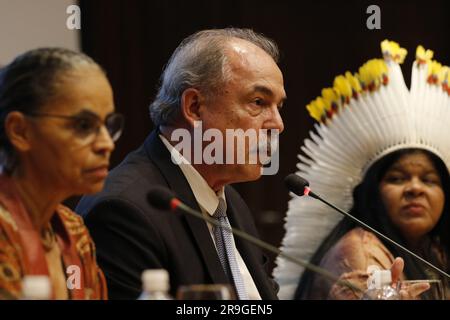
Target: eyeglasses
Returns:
[[87, 125]]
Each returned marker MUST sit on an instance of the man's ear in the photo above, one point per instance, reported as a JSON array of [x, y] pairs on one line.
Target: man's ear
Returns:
[[17, 130], [191, 101]]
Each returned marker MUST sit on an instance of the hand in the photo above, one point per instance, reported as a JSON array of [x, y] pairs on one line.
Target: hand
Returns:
[[397, 270], [413, 291], [408, 293]]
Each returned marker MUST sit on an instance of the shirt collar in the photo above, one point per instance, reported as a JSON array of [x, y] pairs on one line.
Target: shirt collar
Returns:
[[206, 197]]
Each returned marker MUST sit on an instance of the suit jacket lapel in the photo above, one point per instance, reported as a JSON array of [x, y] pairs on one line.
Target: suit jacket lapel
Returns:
[[176, 181]]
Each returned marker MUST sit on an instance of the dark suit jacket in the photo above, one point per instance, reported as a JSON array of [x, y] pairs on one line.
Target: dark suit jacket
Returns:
[[131, 235]]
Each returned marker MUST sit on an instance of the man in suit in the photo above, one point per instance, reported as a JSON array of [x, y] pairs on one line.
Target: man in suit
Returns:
[[223, 79]]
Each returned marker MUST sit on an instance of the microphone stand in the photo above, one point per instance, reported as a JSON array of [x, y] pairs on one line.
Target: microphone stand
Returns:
[[267, 246]]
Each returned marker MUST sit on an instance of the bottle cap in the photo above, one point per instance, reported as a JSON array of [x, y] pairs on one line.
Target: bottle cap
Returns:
[[379, 278], [36, 288], [155, 280]]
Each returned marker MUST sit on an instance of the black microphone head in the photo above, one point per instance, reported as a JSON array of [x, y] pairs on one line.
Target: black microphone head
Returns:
[[296, 184], [160, 198]]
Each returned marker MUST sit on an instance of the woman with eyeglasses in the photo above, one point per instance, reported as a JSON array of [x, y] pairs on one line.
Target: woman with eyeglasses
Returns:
[[57, 132]]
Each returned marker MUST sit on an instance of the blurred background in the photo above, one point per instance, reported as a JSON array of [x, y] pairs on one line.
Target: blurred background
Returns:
[[133, 40]]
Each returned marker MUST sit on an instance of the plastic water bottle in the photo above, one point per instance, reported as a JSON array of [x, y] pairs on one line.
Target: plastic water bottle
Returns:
[[379, 287], [155, 285], [36, 288]]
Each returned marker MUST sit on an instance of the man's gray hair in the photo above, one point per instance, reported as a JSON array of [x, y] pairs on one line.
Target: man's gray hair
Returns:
[[200, 62]]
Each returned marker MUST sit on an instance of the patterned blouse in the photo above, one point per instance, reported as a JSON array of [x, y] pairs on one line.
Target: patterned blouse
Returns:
[[22, 252]]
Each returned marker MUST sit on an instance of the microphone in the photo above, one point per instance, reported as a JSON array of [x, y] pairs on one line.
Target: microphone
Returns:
[[163, 199], [300, 187]]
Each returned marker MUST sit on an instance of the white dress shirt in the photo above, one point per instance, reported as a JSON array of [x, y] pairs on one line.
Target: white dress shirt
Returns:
[[208, 201]]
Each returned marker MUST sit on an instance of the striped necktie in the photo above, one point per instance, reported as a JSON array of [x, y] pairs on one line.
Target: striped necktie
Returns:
[[225, 250]]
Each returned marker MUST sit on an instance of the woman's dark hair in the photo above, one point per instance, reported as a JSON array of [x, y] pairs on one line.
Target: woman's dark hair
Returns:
[[368, 207], [30, 81]]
